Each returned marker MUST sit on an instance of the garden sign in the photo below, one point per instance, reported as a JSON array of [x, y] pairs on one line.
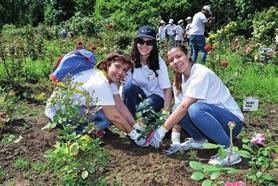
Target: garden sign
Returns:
[[250, 104]]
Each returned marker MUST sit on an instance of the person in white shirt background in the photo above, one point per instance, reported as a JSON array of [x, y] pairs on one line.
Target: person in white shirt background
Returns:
[[101, 84], [161, 35], [179, 33], [204, 107], [170, 34], [187, 29], [147, 86], [197, 31]]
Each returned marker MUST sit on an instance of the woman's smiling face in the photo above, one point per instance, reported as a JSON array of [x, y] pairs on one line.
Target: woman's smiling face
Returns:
[[117, 71], [179, 61], [145, 45]]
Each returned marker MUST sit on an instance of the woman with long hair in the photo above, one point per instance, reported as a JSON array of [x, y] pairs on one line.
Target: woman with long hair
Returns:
[[147, 86], [204, 107]]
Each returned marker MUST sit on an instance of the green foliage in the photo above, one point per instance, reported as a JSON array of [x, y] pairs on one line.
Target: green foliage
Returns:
[[264, 24], [210, 174], [262, 160], [21, 164], [79, 162], [80, 24]]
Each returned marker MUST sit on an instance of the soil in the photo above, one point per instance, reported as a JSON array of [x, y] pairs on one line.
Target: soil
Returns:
[[128, 164]]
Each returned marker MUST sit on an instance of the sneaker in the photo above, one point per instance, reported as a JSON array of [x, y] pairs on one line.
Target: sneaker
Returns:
[[190, 143], [232, 159], [172, 149]]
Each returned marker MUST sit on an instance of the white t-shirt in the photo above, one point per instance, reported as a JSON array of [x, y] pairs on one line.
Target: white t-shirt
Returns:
[[197, 25], [161, 32], [93, 82], [204, 85], [146, 79], [169, 29], [179, 33], [187, 30]]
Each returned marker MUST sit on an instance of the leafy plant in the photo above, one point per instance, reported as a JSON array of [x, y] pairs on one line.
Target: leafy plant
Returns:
[[262, 154], [210, 174], [21, 164]]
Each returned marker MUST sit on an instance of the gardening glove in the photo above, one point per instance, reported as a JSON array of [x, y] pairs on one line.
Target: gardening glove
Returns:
[[158, 136], [137, 138], [138, 128]]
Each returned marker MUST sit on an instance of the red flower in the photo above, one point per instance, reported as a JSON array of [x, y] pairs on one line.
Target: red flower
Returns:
[[224, 63], [92, 47], [209, 47], [100, 133], [3, 114], [109, 26]]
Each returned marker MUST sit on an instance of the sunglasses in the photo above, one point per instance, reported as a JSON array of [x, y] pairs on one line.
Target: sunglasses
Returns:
[[142, 42]]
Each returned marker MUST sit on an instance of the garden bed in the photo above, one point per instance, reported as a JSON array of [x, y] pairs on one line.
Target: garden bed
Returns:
[[128, 164]]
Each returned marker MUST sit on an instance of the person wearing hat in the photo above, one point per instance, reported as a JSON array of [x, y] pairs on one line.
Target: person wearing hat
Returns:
[[187, 28], [197, 31], [98, 86], [147, 86], [179, 33], [170, 34], [161, 31]]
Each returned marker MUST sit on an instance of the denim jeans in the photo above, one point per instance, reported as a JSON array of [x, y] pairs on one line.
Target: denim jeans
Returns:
[[134, 96], [209, 121], [198, 42], [99, 119]]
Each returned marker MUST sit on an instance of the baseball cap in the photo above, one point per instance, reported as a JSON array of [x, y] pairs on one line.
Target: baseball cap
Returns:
[[171, 20], [207, 7], [146, 31], [188, 18], [180, 21]]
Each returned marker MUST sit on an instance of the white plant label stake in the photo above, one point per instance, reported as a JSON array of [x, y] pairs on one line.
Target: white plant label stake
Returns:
[[250, 104]]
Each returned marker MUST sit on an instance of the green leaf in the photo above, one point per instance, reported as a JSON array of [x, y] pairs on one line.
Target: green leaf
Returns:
[[207, 182], [268, 177], [196, 165], [74, 148], [18, 139], [259, 174], [244, 153], [215, 175], [197, 176], [49, 126], [85, 174], [221, 152], [211, 168], [211, 146]]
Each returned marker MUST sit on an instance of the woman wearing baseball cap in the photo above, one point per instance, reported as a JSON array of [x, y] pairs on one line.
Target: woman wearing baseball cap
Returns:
[[147, 86]]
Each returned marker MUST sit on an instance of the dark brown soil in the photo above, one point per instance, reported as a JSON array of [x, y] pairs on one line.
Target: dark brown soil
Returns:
[[128, 164]]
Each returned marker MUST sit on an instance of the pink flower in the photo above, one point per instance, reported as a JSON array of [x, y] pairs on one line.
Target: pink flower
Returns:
[[231, 124], [237, 183], [258, 139]]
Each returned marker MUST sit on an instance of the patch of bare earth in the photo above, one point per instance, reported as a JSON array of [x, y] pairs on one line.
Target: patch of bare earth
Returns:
[[128, 164]]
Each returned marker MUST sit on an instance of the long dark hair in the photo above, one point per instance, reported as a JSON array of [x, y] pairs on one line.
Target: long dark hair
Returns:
[[152, 61], [178, 76]]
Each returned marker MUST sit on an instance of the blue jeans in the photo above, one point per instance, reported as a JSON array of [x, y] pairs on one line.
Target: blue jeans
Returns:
[[209, 121], [99, 119], [198, 42], [134, 96]]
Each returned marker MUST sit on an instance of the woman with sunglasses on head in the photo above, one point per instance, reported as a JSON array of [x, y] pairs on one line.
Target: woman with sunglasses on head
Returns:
[[204, 107], [147, 86], [101, 85]]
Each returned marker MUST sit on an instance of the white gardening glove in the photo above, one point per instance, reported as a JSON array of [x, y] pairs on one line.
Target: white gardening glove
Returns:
[[158, 136], [137, 138]]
